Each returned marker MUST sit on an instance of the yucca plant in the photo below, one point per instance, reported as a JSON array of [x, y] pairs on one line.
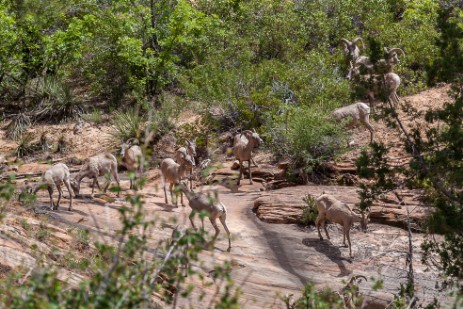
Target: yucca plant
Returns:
[[128, 124], [55, 102], [26, 146], [20, 123]]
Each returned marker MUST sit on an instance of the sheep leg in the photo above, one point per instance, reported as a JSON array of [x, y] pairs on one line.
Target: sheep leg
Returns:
[[223, 220], [172, 194], [317, 224], [241, 172], [326, 231], [60, 193], [347, 233], [50, 193], [165, 192], [68, 186], [191, 216], [250, 175], [191, 178], [95, 181], [370, 128], [116, 177], [217, 231]]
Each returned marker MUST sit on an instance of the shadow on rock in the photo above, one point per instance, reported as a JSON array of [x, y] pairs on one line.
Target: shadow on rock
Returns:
[[330, 251]]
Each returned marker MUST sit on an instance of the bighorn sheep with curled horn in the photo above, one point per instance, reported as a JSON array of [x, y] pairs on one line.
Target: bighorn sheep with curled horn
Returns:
[[333, 210], [243, 144], [359, 112], [95, 166], [173, 172], [214, 208], [190, 150], [382, 66], [351, 49], [56, 176], [374, 83], [132, 158]]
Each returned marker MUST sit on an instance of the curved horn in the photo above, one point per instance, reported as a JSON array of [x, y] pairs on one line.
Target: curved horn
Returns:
[[130, 141], [356, 277], [345, 41], [359, 39], [246, 132], [357, 211], [396, 49]]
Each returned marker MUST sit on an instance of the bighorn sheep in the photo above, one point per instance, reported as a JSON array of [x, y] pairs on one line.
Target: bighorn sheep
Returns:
[[382, 66], [374, 83], [190, 150], [131, 158], [215, 209], [243, 144], [95, 166], [359, 112], [351, 49], [173, 172], [333, 210], [55, 176]]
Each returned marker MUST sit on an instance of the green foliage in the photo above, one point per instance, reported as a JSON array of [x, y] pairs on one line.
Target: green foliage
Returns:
[[310, 211], [95, 116], [17, 126], [128, 124], [26, 146], [306, 136], [54, 101], [313, 299]]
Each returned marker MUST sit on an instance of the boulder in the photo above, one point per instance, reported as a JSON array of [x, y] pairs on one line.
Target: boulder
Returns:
[[286, 205]]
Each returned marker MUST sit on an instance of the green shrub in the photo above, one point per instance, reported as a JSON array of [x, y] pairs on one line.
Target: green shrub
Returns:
[[20, 123], [128, 124], [310, 211], [54, 101]]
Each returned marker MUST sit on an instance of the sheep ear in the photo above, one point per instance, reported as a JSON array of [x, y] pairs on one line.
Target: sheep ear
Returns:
[[254, 130], [386, 51]]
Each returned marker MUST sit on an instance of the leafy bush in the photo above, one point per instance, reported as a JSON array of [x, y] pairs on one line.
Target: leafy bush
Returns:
[[128, 124], [310, 211], [305, 136], [54, 101]]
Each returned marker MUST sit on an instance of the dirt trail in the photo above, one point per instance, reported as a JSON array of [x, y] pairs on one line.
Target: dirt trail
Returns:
[[267, 258]]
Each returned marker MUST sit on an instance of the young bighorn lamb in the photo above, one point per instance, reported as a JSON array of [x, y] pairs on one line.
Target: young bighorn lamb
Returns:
[[56, 176], [333, 210], [131, 158], [190, 150], [95, 166], [173, 172], [359, 112], [215, 209], [243, 144]]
